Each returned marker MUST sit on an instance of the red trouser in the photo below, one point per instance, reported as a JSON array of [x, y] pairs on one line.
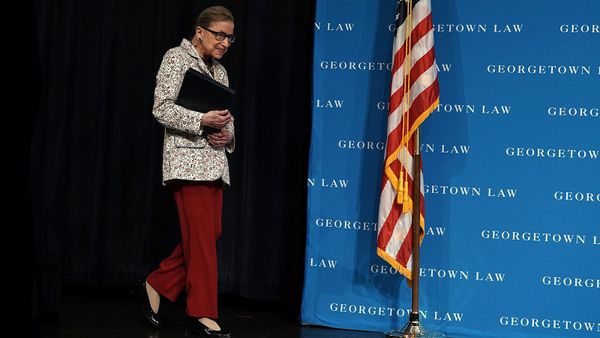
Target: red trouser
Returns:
[[193, 263]]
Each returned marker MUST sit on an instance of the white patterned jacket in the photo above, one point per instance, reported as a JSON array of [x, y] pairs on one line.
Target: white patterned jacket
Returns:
[[187, 155]]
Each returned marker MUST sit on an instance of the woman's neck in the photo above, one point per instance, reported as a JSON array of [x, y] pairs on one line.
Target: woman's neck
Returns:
[[201, 52]]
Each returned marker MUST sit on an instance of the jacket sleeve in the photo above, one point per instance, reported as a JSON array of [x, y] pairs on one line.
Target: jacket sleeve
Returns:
[[230, 127], [168, 81]]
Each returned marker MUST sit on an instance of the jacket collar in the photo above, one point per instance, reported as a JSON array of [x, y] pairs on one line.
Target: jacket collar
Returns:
[[191, 50]]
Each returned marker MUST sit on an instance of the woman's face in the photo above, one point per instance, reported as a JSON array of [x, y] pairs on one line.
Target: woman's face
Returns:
[[210, 38]]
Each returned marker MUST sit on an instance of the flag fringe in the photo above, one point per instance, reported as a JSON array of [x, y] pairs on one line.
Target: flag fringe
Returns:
[[392, 261]]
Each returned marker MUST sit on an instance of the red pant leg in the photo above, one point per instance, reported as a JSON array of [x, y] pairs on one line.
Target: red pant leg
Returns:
[[200, 207], [169, 278]]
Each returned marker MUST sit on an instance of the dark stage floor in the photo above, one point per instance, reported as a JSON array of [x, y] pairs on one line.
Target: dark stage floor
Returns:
[[86, 313]]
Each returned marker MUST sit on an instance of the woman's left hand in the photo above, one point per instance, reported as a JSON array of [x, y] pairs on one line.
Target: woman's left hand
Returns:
[[220, 139]]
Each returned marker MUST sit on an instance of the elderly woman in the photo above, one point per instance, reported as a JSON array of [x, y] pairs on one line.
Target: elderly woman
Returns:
[[195, 167]]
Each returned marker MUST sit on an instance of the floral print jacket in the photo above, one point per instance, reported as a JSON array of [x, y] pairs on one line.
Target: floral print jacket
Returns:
[[187, 155]]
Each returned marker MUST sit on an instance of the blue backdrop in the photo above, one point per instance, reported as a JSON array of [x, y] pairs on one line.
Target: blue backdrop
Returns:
[[511, 171]]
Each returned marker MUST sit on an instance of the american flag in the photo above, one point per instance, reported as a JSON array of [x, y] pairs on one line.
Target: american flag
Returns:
[[414, 94]]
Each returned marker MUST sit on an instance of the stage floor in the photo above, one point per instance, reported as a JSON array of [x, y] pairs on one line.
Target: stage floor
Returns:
[[114, 313]]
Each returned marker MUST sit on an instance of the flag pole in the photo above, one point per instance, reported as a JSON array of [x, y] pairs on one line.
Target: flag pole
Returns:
[[413, 328]]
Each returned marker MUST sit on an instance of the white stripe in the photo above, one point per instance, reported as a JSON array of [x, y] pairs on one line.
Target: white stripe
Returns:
[[425, 80], [386, 201], [409, 263], [398, 78], [420, 11], [399, 234], [394, 120], [422, 47], [406, 160]]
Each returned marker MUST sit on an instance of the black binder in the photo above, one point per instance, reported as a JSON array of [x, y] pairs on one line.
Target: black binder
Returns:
[[202, 93]]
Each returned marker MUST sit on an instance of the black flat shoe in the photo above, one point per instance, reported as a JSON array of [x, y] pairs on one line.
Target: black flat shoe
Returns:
[[149, 314], [197, 328]]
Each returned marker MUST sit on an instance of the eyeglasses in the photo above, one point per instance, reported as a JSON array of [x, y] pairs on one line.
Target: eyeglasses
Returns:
[[220, 36]]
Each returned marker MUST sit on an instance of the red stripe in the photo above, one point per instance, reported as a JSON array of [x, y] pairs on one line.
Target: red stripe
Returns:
[[387, 228], [423, 101], [405, 249], [424, 63], [396, 99], [393, 141], [395, 167], [399, 57], [421, 29]]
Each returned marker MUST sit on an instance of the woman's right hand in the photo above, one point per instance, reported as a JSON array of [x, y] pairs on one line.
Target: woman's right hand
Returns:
[[216, 118]]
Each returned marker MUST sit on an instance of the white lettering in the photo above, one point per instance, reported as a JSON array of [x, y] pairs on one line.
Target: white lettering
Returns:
[[508, 29], [591, 112], [445, 67], [325, 183], [496, 110], [459, 108], [445, 149], [576, 196], [374, 310], [552, 153], [489, 277], [577, 282], [573, 28], [447, 316], [460, 28], [329, 103], [441, 273], [344, 27], [539, 69], [335, 27], [328, 183], [452, 190], [502, 193], [361, 145], [543, 237], [546, 323], [345, 224], [356, 65], [322, 263], [435, 231]]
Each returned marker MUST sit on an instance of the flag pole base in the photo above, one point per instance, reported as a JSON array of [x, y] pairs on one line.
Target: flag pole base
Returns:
[[414, 330]]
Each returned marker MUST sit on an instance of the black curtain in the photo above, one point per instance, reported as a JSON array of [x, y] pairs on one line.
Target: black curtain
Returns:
[[100, 214]]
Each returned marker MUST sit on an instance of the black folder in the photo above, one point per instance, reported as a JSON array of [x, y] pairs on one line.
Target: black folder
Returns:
[[202, 93]]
